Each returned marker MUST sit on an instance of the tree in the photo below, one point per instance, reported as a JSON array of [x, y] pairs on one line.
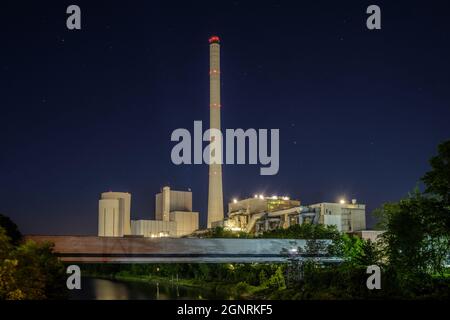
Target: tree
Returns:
[[29, 276], [304, 231], [416, 238], [29, 271], [358, 252], [221, 232], [276, 281], [12, 231], [5, 245], [370, 254], [437, 181], [9, 289]]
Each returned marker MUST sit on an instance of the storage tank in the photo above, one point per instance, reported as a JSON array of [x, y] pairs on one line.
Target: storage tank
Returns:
[[124, 203]]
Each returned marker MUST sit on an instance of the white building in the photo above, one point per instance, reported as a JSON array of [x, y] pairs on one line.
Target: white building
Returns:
[[347, 217], [114, 214], [170, 200], [185, 222], [153, 228], [181, 223], [174, 215], [176, 206]]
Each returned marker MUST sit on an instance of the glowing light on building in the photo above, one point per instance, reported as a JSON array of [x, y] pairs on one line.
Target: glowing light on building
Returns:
[[214, 39]]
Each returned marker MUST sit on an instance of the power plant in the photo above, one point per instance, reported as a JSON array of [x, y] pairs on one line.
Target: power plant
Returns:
[[123, 240], [215, 194], [173, 209]]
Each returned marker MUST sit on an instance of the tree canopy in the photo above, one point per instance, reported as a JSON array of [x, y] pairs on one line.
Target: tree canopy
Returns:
[[29, 270], [11, 229], [437, 180]]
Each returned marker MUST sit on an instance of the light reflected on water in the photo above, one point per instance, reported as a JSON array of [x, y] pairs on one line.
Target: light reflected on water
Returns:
[[109, 290], [104, 289]]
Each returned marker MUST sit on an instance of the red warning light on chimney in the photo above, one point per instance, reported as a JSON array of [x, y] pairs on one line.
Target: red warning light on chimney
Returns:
[[214, 39]]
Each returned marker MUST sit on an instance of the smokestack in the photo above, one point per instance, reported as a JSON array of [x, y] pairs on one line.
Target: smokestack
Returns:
[[215, 195], [165, 203]]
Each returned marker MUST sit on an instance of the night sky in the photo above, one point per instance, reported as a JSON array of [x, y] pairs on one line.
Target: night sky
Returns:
[[360, 112]]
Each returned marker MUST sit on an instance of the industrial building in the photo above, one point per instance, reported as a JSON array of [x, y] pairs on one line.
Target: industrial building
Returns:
[[153, 228], [173, 212], [248, 214], [176, 207], [260, 214], [114, 214], [169, 201], [347, 217]]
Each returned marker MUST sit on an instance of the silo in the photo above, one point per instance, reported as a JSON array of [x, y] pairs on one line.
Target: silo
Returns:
[[108, 218], [124, 201]]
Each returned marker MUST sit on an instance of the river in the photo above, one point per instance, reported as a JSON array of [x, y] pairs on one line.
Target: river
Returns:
[[105, 289]]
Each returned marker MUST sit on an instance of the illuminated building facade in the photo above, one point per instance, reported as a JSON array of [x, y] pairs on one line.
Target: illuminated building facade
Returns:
[[260, 214], [174, 216]]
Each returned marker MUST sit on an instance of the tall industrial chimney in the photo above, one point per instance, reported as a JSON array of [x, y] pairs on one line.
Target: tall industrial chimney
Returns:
[[215, 195]]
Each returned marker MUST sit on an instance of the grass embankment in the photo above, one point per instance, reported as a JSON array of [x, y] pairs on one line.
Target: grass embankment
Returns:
[[239, 290]]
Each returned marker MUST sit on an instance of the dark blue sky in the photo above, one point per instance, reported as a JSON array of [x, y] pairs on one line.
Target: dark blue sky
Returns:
[[360, 112]]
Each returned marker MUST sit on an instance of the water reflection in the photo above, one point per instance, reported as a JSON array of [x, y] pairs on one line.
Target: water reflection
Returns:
[[104, 289]]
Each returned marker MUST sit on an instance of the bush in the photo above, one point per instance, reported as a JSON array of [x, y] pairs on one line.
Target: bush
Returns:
[[241, 288], [30, 271]]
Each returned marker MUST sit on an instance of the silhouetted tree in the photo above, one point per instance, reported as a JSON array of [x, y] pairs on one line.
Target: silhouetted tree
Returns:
[[12, 231], [437, 180]]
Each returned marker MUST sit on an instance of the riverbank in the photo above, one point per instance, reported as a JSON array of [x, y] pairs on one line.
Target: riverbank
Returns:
[[240, 290]]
